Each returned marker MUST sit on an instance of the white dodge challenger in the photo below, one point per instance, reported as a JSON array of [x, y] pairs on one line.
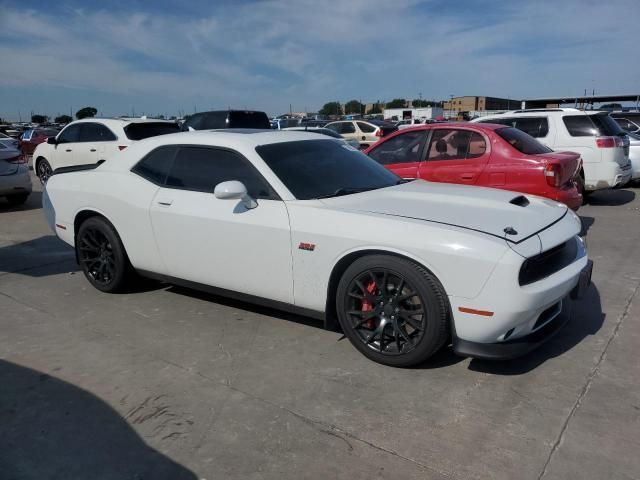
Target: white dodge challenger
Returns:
[[312, 225]]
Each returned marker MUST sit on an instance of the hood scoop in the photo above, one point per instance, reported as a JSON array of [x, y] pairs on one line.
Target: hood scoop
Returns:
[[520, 201]]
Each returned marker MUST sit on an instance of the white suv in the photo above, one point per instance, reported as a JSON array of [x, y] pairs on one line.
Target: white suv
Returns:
[[598, 139], [91, 140]]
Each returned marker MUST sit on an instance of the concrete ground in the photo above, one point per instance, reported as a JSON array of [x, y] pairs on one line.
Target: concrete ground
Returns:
[[167, 383]]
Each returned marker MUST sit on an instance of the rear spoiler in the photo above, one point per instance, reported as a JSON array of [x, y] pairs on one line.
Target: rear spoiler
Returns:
[[77, 168]]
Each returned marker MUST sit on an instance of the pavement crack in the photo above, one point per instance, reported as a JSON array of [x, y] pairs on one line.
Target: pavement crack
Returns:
[[590, 378], [30, 307]]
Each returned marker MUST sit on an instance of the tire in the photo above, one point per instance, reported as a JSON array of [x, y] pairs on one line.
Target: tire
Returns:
[[43, 170], [390, 332], [581, 187], [17, 199], [102, 256]]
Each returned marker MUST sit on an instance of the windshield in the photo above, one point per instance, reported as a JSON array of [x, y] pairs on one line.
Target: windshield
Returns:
[[606, 125], [324, 168], [523, 142]]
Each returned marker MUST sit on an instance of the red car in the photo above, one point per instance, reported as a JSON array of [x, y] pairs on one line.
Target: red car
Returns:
[[481, 154], [32, 138]]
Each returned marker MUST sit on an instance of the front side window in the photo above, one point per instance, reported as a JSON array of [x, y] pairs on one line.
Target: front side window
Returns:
[[324, 168], [403, 148], [450, 144], [70, 134], [202, 168], [95, 132], [522, 142], [155, 166]]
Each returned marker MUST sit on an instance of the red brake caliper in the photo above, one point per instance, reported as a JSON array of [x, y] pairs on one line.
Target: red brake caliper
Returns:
[[367, 306]]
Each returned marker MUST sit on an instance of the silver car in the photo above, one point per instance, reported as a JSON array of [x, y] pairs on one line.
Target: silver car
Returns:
[[15, 182], [328, 132], [634, 155]]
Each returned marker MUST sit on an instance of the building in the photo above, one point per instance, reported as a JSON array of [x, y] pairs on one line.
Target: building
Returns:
[[412, 113], [470, 104]]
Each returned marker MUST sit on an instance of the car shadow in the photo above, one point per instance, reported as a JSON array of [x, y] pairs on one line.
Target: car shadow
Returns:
[[39, 257], [34, 202], [585, 318], [611, 197], [53, 429], [587, 223]]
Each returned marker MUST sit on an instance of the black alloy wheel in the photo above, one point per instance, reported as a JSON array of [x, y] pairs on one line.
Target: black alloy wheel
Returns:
[[392, 310], [43, 171], [102, 256]]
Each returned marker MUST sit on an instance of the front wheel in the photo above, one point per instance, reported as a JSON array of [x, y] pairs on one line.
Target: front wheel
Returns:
[[102, 256], [392, 310], [43, 170]]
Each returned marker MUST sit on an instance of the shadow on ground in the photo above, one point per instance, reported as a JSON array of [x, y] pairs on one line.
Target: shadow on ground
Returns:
[[585, 318], [611, 197], [40, 257], [52, 429], [587, 223], [34, 202]]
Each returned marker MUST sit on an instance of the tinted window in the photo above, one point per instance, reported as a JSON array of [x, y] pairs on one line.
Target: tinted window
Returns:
[[321, 168], [239, 119], [403, 148], [333, 126], [347, 127], [535, 126], [626, 124], [70, 134], [366, 128], [580, 126], [140, 131], [95, 132], [449, 144], [155, 166], [201, 169], [522, 142]]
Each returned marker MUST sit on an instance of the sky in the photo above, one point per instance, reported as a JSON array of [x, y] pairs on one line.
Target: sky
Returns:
[[162, 57]]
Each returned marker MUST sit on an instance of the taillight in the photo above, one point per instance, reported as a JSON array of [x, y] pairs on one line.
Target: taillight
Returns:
[[379, 133], [121, 147], [19, 159], [607, 142], [552, 173]]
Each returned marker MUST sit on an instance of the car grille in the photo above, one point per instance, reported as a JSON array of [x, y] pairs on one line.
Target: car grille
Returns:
[[547, 263]]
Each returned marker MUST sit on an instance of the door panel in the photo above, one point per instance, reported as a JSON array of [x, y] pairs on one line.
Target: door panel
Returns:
[[220, 243]]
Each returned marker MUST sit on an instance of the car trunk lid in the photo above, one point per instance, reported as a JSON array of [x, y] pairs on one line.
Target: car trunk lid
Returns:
[[566, 166]]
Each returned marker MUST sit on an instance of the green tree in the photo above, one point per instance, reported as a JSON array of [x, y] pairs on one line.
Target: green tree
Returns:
[[331, 108], [420, 103], [376, 108], [397, 103], [86, 112], [353, 106], [63, 119], [39, 118]]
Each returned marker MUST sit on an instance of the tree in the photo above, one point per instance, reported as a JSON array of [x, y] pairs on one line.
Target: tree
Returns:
[[331, 108], [86, 112], [397, 103], [39, 118], [353, 106], [63, 119], [420, 103], [376, 108]]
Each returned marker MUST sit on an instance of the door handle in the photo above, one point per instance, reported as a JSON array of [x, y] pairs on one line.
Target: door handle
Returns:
[[467, 176], [68, 150], [92, 150], [165, 203]]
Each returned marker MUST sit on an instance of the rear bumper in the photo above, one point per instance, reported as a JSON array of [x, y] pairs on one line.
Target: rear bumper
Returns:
[[17, 183], [601, 175], [571, 197]]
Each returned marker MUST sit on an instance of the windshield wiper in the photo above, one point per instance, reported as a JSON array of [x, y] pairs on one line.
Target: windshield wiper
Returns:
[[346, 191]]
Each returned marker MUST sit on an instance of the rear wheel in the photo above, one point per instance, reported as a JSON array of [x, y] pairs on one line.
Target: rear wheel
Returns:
[[392, 310], [102, 256], [17, 199], [43, 170]]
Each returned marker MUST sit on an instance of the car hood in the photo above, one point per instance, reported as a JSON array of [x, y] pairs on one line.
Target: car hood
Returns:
[[501, 213]]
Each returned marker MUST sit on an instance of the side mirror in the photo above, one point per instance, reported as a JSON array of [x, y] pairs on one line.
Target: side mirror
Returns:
[[234, 190], [52, 141]]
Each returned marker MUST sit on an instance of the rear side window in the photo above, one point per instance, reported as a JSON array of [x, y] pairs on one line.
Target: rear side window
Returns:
[[522, 142], [201, 169], [155, 166], [449, 144], [366, 128], [95, 132], [403, 148], [537, 127], [580, 126], [140, 131]]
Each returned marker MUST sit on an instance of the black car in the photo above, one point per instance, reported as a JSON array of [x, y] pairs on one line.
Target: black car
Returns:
[[219, 119]]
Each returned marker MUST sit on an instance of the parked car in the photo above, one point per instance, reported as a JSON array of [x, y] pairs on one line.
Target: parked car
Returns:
[[365, 132], [628, 121], [220, 119], [481, 154], [594, 135], [92, 140], [634, 155], [404, 266], [328, 132], [282, 123], [15, 182], [32, 138], [8, 141]]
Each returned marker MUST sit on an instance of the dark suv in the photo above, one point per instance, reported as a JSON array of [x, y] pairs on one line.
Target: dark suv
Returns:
[[219, 119]]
